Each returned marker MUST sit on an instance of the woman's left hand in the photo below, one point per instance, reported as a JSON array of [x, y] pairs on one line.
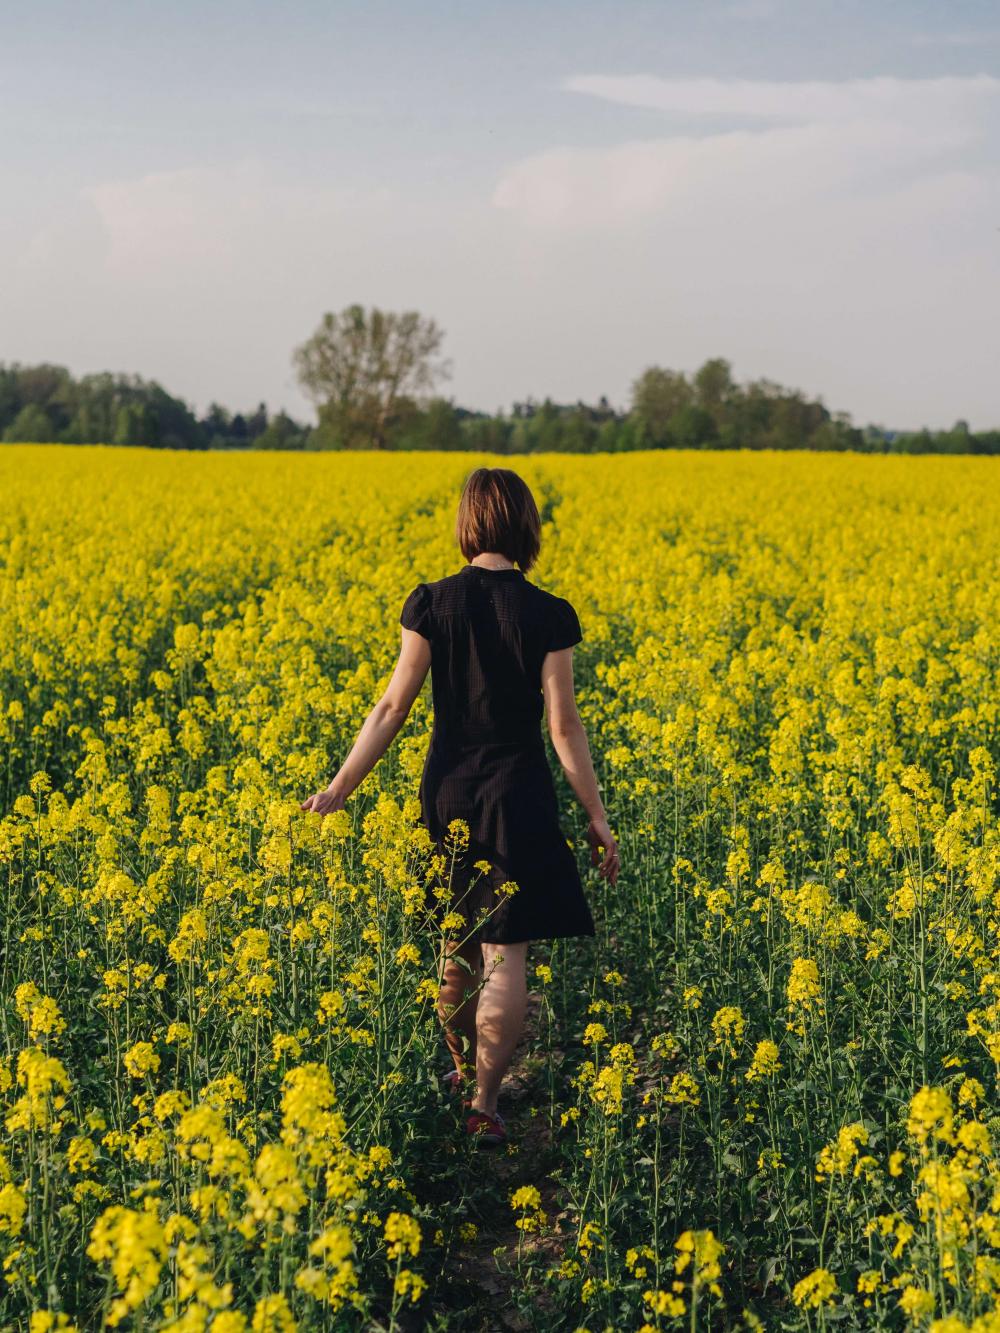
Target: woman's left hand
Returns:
[[324, 802]]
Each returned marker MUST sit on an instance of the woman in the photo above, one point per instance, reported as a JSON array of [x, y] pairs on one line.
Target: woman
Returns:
[[500, 650]]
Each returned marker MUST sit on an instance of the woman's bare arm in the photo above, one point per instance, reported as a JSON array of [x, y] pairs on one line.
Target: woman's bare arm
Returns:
[[569, 739], [380, 726]]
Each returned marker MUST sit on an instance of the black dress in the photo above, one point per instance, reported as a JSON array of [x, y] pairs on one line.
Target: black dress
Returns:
[[489, 631]]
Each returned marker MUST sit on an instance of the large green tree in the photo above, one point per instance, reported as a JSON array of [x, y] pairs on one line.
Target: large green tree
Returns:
[[30, 426], [713, 384], [657, 396], [364, 369]]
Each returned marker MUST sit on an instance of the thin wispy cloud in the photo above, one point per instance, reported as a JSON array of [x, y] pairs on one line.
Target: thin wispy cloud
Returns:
[[972, 38], [819, 141], [813, 100], [216, 219]]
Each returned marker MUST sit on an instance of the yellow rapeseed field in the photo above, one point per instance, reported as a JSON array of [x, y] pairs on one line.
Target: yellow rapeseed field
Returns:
[[765, 1096]]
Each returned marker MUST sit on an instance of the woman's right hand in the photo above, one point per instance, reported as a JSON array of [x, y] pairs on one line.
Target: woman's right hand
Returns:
[[599, 836], [325, 802]]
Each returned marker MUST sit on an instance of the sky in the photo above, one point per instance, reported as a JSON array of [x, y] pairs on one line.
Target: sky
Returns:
[[574, 190]]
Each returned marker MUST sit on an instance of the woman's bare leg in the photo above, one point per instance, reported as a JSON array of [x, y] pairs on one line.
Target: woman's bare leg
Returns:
[[503, 1002], [458, 998]]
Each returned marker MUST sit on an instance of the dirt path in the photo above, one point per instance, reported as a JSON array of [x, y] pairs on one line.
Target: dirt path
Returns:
[[488, 1266]]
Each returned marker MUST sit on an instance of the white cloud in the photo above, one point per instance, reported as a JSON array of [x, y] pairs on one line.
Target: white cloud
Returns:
[[849, 100], [212, 218], [819, 141], [837, 236]]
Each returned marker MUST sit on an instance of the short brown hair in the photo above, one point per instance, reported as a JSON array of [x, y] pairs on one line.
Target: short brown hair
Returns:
[[497, 512]]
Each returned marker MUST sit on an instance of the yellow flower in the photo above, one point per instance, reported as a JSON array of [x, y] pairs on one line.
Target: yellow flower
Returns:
[[284, 1044], [457, 837], [40, 1012], [332, 1278], [815, 1289], [916, 1303], [135, 1248], [409, 1284], [13, 1207], [705, 1251], [44, 1080], [971, 1092], [47, 1321], [683, 1090], [765, 1062], [837, 1157], [635, 1260], [663, 1303], [803, 985], [526, 1197], [402, 1234], [931, 1115], [665, 1044], [80, 1155], [141, 1059], [272, 1315], [728, 1026]]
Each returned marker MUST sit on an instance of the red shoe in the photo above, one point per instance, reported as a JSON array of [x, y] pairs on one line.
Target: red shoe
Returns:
[[489, 1131]]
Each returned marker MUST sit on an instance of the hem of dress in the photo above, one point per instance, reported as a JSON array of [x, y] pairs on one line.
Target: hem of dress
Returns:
[[529, 939]]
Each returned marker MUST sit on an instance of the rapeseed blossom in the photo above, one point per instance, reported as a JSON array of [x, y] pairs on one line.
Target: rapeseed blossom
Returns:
[[134, 1246], [728, 1026], [702, 1252], [765, 1062], [221, 1012], [816, 1289]]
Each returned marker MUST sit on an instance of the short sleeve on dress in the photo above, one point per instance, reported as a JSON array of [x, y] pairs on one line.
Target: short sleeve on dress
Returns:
[[565, 628], [416, 612]]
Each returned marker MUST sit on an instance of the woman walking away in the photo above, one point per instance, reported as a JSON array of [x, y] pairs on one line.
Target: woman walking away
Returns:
[[500, 652]]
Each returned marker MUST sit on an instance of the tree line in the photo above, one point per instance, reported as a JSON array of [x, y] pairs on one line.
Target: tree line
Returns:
[[373, 376], [46, 404]]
